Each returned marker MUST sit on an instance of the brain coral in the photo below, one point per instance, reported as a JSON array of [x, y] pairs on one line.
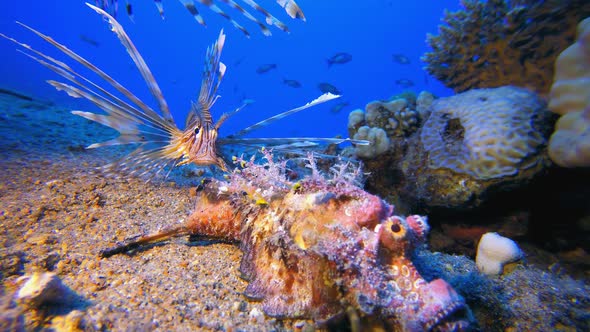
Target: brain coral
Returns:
[[570, 96], [499, 42], [485, 133]]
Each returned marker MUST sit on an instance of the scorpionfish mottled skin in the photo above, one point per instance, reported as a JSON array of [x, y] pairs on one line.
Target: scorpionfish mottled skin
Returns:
[[317, 247]]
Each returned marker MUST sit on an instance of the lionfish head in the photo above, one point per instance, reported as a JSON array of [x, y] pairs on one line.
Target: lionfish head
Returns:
[[199, 142]]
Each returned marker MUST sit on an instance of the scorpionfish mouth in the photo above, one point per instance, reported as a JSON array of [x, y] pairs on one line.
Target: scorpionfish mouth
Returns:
[[444, 310]]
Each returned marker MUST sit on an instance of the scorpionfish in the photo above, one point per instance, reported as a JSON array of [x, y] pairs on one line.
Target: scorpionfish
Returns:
[[320, 246]]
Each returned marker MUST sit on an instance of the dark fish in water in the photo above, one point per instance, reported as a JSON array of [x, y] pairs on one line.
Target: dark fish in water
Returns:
[[129, 10], [338, 107], [161, 144], [401, 59], [404, 83], [291, 83], [266, 68], [327, 87], [289, 6], [89, 40], [339, 58], [239, 61]]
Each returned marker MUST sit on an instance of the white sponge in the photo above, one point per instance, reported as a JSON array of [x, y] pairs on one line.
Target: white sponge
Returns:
[[494, 251]]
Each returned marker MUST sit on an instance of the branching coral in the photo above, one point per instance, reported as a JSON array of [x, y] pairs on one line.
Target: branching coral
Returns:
[[500, 42]]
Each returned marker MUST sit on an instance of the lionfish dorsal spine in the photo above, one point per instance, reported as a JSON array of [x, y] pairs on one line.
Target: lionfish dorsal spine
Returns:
[[213, 74]]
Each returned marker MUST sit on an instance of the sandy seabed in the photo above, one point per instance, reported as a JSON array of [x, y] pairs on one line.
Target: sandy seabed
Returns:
[[57, 212]]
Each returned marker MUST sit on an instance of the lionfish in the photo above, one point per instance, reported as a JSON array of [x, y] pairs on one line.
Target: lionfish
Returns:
[[290, 7], [161, 143]]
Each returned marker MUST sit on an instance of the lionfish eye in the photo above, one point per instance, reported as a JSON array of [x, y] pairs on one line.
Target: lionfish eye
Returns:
[[395, 228], [197, 130]]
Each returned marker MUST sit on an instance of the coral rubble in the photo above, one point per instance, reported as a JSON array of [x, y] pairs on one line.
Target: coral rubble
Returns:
[[323, 248], [570, 143], [498, 42]]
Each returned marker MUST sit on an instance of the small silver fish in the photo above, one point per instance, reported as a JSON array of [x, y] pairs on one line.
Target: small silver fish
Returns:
[[161, 144], [289, 6]]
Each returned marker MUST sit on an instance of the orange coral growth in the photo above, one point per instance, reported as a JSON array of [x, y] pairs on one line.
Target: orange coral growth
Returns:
[[498, 42]]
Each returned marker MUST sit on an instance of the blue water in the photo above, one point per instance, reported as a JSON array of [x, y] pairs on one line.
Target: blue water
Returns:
[[370, 30]]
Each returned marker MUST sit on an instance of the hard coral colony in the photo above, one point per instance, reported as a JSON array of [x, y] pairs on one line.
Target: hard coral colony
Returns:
[[322, 247]]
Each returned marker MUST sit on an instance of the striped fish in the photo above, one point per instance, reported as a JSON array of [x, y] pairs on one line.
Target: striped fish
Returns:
[[161, 144], [289, 6]]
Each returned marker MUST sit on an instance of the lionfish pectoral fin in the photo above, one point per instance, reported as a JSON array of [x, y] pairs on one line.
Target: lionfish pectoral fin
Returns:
[[271, 141], [139, 62], [190, 6], [135, 121], [321, 99], [292, 9], [226, 116]]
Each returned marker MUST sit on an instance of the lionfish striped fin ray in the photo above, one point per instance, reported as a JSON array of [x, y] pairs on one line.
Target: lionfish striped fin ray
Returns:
[[321, 99], [190, 6], [290, 7], [160, 7], [227, 115], [214, 8], [293, 141], [139, 62], [271, 20], [233, 4], [160, 142], [213, 73], [129, 113], [148, 111]]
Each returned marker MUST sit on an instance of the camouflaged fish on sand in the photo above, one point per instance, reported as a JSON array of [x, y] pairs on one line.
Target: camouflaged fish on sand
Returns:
[[161, 144]]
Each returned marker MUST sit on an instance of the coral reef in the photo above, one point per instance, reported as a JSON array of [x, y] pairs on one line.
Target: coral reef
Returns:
[[322, 247], [471, 145], [569, 145], [498, 42], [384, 121], [487, 133]]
